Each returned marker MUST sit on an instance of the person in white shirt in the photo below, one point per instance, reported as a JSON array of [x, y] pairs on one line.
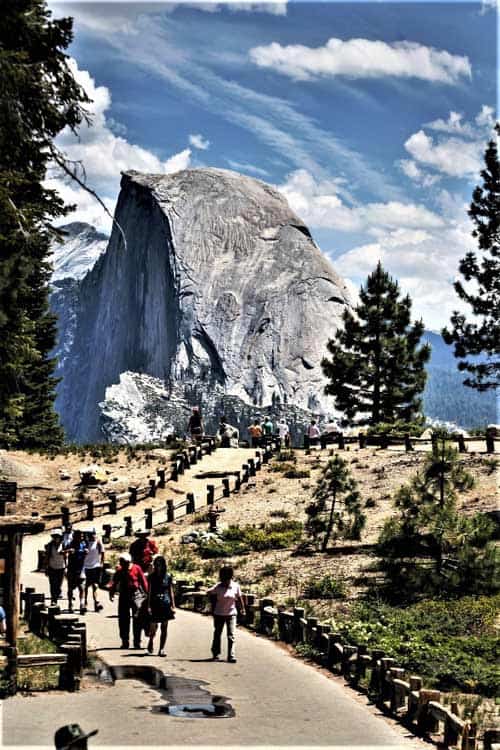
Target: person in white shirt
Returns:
[[56, 565], [284, 433], [94, 561]]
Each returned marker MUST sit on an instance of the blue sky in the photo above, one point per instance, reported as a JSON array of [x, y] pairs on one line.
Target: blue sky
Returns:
[[370, 117]]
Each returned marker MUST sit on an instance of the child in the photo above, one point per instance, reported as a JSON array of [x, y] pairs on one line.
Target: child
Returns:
[[226, 600]]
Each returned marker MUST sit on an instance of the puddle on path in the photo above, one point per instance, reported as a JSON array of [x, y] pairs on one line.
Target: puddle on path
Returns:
[[184, 697]]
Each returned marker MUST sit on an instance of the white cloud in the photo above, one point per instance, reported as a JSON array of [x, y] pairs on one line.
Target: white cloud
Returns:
[[363, 58], [319, 204], [197, 141], [104, 154], [425, 261], [487, 5], [242, 167], [458, 153]]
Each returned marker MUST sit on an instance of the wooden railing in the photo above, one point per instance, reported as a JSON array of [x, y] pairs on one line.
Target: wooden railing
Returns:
[[64, 630], [385, 441], [392, 688]]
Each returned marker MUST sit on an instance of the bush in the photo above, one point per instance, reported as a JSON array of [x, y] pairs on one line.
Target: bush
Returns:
[[238, 540], [270, 569], [121, 545], [327, 587], [286, 455], [297, 473], [183, 563], [452, 644], [282, 466], [279, 514], [307, 651]]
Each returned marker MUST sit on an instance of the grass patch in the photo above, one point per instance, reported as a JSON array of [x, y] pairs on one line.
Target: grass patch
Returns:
[[37, 678], [307, 651], [270, 569], [327, 587], [279, 514], [120, 545], [297, 473], [183, 563]]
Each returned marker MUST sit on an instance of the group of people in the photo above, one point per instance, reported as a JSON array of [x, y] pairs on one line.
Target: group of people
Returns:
[[260, 431], [80, 556]]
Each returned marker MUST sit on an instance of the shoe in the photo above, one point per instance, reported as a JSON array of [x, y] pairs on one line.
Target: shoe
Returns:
[[162, 653], [215, 658], [83, 610], [136, 646], [232, 660], [98, 607], [125, 644]]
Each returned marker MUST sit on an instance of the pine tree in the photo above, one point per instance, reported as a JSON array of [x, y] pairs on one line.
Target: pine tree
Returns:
[[336, 509], [39, 98], [432, 546], [377, 370], [481, 336]]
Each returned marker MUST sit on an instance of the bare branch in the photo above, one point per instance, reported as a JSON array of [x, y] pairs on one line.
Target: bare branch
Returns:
[[63, 163], [19, 213]]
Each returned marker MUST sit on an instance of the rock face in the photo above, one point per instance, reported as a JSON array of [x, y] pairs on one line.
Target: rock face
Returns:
[[219, 287]]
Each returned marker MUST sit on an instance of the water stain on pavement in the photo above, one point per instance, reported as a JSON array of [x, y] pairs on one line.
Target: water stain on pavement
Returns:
[[184, 697]]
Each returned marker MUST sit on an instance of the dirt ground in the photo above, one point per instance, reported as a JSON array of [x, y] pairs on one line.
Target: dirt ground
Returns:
[[281, 574]]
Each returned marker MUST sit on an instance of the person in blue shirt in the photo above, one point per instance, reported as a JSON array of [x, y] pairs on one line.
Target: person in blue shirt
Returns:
[[76, 554], [3, 622]]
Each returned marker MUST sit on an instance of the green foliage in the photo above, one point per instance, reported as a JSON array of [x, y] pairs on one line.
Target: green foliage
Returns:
[[453, 645], [37, 678], [336, 509], [120, 545], [377, 367], [328, 587], [282, 466], [238, 540], [40, 98], [297, 474], [183, 563], [308, 651], [482, 334], [431, 546], [279, 514], [270, 569]]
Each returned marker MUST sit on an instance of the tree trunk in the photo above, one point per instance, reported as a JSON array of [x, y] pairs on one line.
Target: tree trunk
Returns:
[[329, 529]]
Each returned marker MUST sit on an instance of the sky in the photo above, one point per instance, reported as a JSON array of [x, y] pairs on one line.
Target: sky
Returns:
[[370, 117]]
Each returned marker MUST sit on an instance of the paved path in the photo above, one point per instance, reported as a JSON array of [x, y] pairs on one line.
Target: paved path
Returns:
[[277, 700]]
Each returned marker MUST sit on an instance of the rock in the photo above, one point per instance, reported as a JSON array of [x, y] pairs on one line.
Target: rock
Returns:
[[219, 289], [64, 475]]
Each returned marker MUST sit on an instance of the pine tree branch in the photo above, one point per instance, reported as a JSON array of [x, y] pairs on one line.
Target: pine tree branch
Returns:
[[18, 213], [62, 162]]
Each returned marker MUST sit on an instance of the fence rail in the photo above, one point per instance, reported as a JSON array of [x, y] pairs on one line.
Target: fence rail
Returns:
[[385, 441]]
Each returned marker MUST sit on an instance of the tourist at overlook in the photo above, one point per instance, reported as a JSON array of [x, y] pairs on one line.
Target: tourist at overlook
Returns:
[[255, 432], [161, 603], [143, 550], [56, 565], [268, 427], [132, 587], [92, 566], [76, 554], [195, 425], [226, 600], [284, 433], [313, 432]]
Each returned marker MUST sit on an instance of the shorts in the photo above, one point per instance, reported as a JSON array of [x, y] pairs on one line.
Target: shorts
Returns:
[[75, 578], [93, 576]]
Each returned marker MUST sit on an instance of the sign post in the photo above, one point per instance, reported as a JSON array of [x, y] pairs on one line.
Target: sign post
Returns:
[[8, 494]]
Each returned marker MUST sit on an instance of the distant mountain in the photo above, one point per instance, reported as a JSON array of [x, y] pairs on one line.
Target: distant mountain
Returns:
[[445, 396], [78, 252]]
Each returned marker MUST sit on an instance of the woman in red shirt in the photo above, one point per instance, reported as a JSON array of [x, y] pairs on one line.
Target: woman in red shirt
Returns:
[[132, 587]]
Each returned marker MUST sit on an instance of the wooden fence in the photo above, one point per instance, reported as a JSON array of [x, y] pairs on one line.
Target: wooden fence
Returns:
[[394, 690], [385, 441], [65, 630]]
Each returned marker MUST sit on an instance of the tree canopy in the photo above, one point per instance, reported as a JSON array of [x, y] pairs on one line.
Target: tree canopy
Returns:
[[376, 370], [39, 98], [481, 334]]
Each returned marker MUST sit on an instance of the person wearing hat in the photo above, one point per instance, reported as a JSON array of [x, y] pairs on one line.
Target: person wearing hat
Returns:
[[130, 582], [72, 736], [56, 564], [195, 425], [143, 550]]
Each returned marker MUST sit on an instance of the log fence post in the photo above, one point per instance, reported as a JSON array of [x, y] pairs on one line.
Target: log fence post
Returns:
[[161, 478], [90, 510], [148, 518], [362, 440], [408, 444], [133, 495], [152, 488], [170, 510], [225, 484], [112, 503], [128, 525], [210, 494], [190, 503]]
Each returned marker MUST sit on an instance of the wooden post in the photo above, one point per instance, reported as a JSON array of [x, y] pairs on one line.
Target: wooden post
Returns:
[[245, 473], [190, 503], [341, 442], [362, 440], [161, 478], [90, 510], [225, 484], [128, 525], [71, 672], [490, 441], [148, 518], [170, 510], [462, 448], [237, 481], [249, 602], [112, 503], [181, 463], [298, 613], [307, 442], [426, 722], [251, 467], [210, 494], [408, 444], [65, 513], [15, 542], [152, 488], [106, 536], [133, 495]]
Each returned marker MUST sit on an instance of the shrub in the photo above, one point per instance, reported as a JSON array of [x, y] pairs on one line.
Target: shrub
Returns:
[[238, 540], [307, 651], [121, 545], [282, 466], [286, 455], [327, 587], [183, 563], [371, 503], [297, 473], [279, 514], [270, 569]]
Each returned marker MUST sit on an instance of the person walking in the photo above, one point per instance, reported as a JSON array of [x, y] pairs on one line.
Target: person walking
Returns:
[[195, 425], [284, 433], [226, 600], [56, 565], [94, 561], [76, 554], [268, 427], [132, 587], [161, 602], [143, 550], [313, 433]]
